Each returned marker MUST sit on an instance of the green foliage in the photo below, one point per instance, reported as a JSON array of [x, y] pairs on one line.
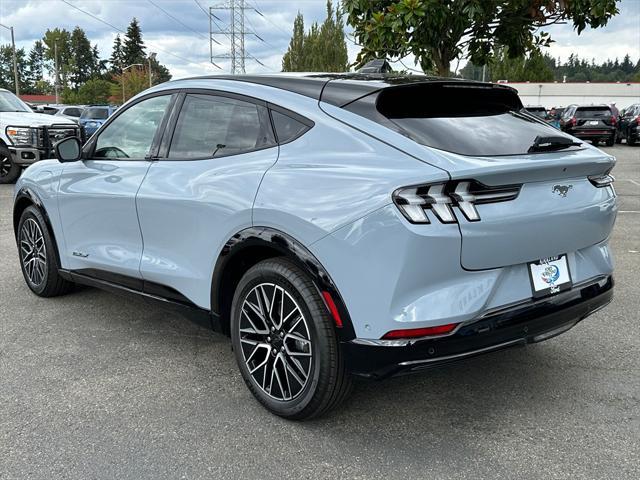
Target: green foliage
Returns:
[[439, 31], [6, 68], [93, 91], [133, 47], [85, 63], [544, 68], [135, 80], [117, 56], [322, 49]]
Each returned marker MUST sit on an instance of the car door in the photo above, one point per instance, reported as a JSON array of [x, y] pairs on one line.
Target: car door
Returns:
[[97, 195], [200, 192]]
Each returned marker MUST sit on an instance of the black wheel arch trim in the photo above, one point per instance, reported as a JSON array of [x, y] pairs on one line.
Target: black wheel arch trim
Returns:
[[28, 194], [290, 248]]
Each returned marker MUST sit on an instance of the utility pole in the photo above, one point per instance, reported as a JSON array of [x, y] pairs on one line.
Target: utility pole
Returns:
[[484, 71], [235, 32], [15, 60], [57, 78], [152, 56]]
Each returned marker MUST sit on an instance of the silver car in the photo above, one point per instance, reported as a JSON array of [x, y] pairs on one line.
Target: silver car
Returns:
[[331, 225]]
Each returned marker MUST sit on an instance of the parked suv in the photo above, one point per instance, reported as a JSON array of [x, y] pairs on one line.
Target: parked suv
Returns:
[[94, 116], [332, 225], [26, 137], [590, 122], [629, 124]]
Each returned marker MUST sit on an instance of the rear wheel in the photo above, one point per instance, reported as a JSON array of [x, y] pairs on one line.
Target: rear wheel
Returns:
[[630, 140], [285, 342], [611, 141], [9, 171], [37, 256], [595, 142]]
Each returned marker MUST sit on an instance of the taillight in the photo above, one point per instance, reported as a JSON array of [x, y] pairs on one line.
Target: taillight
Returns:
[[602, 180], [638, 119], [420, 332], [613, 120], [573, 121], [415, 202]]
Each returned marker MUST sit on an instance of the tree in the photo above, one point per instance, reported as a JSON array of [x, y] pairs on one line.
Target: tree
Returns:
[[160, 73], [293, 59], [61, 38], [34, 73], [322, 49], [437, 32], [133, 48], [6, 68], [117, 56], [135, 80], [93, 91], [84, 62]]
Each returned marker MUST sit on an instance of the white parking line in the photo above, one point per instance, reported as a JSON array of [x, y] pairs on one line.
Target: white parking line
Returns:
[[632, 181], [628, 211]]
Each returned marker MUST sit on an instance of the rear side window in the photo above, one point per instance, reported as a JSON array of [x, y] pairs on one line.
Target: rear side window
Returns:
[[213, 126], [73, 112], [287, 128], [465, 119], [592, 112]]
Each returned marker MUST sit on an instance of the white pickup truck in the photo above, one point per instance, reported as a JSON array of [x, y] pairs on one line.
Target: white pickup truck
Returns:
[[26, 137]]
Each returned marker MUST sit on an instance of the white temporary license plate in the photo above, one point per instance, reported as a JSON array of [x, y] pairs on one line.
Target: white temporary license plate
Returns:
[[594, 122], [549, 275]]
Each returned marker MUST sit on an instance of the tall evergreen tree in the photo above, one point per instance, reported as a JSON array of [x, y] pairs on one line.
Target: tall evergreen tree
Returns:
[[117, 56], [84, 63], [61, 38], [35, 67], [133, 48], [293, 59], [322, 49]]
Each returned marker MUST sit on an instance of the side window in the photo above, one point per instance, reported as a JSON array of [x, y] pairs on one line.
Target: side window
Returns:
[[212, 126], [287, 128], [72, 112], [130, 135]]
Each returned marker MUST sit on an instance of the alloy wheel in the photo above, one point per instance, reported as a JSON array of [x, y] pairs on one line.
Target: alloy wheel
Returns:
[[33, 252], [275, 341]]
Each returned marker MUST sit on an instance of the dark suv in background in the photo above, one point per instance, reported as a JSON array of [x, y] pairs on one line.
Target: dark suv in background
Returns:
[[629, 124], [590, 122]]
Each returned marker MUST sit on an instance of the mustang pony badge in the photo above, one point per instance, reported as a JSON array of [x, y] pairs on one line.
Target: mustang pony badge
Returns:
[[561, 190]]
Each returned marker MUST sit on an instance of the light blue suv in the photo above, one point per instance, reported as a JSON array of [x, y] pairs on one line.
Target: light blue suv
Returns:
[[331, 225]]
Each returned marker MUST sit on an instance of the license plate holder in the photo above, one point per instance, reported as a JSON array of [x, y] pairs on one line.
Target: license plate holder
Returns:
[[549, 276], [594, 122]]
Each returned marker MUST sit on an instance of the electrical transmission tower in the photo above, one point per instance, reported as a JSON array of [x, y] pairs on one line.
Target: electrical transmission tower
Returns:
[[235, 32]]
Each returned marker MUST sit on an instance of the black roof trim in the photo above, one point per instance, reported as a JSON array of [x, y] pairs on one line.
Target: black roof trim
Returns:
[[340, 89]]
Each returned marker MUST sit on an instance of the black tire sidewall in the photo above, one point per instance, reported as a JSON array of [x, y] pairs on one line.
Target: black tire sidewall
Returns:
[[52, 266], [321, 343], [14, 171]]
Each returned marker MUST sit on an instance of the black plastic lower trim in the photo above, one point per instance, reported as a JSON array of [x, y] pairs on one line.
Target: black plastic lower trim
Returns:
[[528, 323], [133, 287]]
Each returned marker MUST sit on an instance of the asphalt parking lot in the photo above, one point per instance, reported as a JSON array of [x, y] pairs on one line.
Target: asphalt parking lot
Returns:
[[94, 386]]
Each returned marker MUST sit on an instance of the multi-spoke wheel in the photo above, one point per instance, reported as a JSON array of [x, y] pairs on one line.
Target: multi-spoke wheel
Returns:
[[285, 343], [37, 255], [33, 252], [9, 171]]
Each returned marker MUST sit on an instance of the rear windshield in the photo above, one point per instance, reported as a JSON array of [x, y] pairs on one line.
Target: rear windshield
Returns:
[[466, 119], [95, 113], [591, 112], [537, 111]]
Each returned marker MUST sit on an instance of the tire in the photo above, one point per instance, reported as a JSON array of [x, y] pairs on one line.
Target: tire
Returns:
[[611, 141], [619, 138], [295, 368], [595, 142], [9, 171], [630, 141], [40, 269]]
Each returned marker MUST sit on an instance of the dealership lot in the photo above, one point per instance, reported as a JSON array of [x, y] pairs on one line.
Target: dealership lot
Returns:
[[94, 386]]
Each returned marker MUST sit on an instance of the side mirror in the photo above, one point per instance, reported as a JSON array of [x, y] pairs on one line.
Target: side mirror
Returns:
[[68, 149]]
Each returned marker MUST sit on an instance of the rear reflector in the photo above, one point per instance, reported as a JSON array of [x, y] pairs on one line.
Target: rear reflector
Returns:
[[332, 309], [420, 332]]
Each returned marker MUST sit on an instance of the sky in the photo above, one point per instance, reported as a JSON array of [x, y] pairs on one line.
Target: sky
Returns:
[[178, 30]]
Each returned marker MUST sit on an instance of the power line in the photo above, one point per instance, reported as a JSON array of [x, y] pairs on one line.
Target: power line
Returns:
[[155, 47], [177, 20], [257, 10], [201, 8]]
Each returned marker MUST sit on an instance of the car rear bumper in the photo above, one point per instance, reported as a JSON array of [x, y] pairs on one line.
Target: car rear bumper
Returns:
[[596, 133], [528, 322]]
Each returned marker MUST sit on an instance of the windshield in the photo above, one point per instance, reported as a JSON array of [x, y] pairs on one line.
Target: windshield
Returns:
[[10, 103], [96, 113], [538, 112]]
